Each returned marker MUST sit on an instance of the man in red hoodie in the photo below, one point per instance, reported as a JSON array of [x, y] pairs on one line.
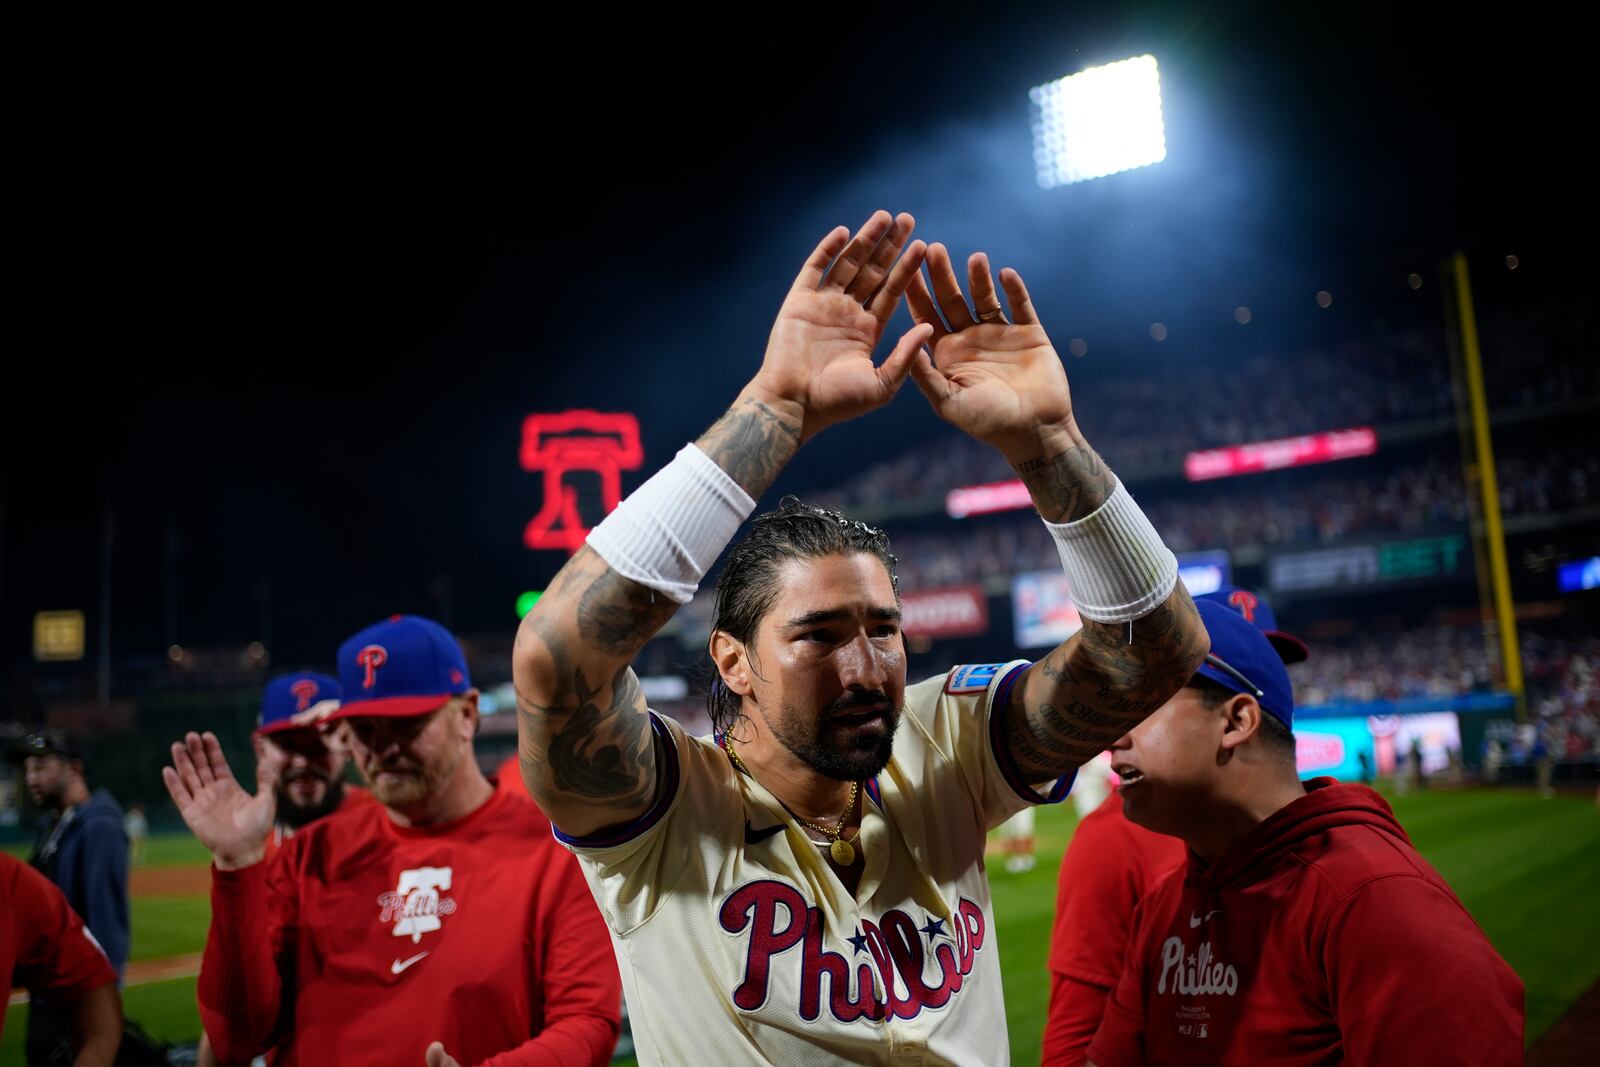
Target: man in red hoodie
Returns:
[[1109, 867], [1304, 928]]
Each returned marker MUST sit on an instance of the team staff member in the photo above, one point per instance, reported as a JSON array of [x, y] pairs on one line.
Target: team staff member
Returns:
[[445, 925]]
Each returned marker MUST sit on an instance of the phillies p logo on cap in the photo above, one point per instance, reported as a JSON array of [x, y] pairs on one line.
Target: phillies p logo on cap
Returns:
[[404, 665], [372, 657], [290, 694]]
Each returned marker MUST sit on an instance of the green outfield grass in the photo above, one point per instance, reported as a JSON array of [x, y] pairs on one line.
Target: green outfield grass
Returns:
[[1527, 868], [164, 927]]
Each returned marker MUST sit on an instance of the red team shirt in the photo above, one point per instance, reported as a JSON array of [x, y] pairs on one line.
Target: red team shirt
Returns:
[[43, 944], [1109, 867], [363, 942], [1321, 938]]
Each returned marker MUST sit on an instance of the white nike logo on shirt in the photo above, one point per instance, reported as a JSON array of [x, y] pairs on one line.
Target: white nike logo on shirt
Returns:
[[399, 965], [1195, 920]]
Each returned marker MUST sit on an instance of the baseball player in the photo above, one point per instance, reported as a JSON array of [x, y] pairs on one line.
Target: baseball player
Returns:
[[807, 885], [1303, 927], [441, 925]]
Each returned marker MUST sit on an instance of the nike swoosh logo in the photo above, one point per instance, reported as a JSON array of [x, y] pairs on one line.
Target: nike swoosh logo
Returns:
[[1195, 920], [752, 836], [399, 965]]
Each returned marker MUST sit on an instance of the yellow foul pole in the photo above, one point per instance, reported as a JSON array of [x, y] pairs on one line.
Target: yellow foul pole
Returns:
[[1494, 532]]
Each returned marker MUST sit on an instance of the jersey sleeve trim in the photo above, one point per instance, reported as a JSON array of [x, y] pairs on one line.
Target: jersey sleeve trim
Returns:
[[1002, 753], [642, 825]]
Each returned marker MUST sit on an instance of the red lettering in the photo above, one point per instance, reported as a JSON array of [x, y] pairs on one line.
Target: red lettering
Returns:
[[895, 946], [1245, 601], [817, 962], [756, 906], [303, 691], [372, 657]]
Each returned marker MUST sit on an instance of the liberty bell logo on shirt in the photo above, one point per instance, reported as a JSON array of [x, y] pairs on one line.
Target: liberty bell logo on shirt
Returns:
[[415, 907]]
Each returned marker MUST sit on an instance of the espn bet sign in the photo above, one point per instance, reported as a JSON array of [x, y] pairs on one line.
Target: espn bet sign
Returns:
[[1420, 559]]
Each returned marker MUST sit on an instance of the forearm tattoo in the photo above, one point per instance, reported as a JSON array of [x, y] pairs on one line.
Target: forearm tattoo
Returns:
[[1068, 486], [752, 442], [1102, 683]]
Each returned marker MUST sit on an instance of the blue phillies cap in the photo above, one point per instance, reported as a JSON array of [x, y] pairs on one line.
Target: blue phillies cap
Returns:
[[1290, 648], [404, 665], [289, 694], [1243, 660]]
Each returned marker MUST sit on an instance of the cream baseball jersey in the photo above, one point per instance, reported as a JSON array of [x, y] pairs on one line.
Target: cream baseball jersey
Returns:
[[739, 945]]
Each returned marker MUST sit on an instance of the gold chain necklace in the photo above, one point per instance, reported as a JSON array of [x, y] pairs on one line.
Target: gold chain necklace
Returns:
[[843, 853]]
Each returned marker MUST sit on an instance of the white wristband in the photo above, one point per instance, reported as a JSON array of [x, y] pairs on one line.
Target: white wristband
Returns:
[[1117, 566], [671, 529]]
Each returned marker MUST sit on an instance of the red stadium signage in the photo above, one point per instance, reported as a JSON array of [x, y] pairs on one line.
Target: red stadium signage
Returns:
[[986, 499], [1276, 455], [563, 443], [962, 611]]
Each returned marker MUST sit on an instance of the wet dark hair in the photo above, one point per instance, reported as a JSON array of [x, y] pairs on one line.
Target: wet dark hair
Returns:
[[749, 581], [1272, 731]]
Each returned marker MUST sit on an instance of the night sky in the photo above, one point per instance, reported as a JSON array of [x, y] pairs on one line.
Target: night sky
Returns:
[[281, 295]]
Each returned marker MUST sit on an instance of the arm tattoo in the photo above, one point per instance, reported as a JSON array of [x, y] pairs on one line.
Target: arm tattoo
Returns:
[[585, 750], [604, 754], [752, 443], [1068, 486], [1100, 685], [617, 615]]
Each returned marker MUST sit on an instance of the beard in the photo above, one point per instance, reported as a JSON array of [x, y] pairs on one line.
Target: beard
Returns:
[[835, 746], [405, 785], [294, 814]]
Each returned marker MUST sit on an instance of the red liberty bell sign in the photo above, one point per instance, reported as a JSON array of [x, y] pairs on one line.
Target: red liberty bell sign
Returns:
[[604, 443]]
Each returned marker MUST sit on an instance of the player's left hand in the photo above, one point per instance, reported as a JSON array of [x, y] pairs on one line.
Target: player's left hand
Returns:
[[998, 380], [436, 1056]]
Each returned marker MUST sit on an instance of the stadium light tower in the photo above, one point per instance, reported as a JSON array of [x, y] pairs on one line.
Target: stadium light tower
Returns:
[[1100, 121]]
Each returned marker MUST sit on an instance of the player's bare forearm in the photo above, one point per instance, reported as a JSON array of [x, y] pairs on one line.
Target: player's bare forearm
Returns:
[[586, 746], [1105, 680]]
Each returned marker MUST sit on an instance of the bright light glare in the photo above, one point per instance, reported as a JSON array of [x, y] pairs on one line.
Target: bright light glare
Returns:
[[1098, 122]]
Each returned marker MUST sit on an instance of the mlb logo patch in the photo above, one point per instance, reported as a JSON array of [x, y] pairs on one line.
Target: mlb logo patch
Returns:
[[972, 677]]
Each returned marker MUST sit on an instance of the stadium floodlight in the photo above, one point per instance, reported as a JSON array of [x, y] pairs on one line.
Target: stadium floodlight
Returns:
[[1101, 121]]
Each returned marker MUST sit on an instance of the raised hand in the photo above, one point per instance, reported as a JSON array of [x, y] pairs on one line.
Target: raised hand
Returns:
[[818, 365], [999, 381], [230, 822]]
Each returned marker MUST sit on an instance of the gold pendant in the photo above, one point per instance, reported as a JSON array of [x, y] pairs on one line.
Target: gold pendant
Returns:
[[842, 853]]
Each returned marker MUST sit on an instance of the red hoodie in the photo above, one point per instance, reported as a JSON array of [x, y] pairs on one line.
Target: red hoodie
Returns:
[[1320, 938], [1109, 867]]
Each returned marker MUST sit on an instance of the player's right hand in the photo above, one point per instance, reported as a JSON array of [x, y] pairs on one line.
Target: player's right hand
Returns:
[[230, 822], [819, 356]]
